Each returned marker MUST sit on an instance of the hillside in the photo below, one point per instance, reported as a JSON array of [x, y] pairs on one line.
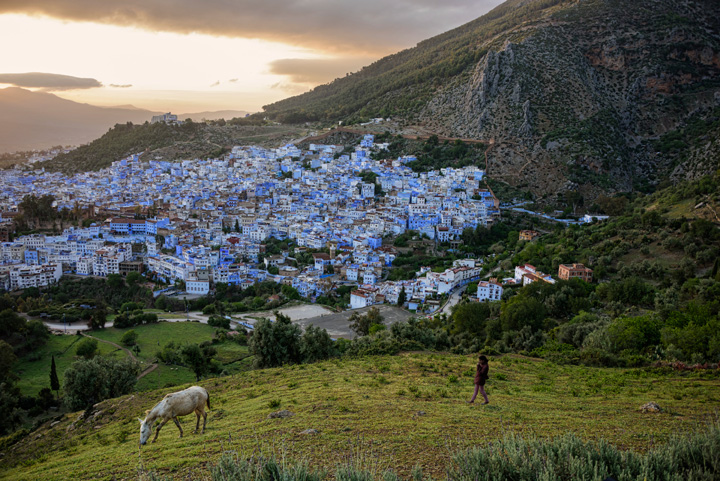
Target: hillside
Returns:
[[395, 412], [39, 120], [594, 96], [170, 142]]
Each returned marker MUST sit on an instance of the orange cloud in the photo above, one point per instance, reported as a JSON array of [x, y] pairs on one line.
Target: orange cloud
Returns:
[[369, 28]]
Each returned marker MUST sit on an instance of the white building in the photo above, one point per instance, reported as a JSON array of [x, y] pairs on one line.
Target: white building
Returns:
[[197, 283], [489, 291], [23, 276], [361, 298]]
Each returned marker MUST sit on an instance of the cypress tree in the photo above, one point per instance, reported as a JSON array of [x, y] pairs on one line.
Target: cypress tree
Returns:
[[402, 297], [54, 382]]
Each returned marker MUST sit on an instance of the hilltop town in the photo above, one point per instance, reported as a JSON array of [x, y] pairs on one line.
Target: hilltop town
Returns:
[[198, 222]]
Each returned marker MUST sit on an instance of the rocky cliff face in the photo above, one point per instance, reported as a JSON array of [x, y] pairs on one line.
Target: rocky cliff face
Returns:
[[580, 99]]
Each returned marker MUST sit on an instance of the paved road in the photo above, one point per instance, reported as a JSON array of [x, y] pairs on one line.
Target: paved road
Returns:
[[452, 300]]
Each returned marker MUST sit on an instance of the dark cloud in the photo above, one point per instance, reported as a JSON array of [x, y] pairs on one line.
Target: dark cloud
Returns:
[[123, 86], [370, 27], [233, 80], [215, 84], [316, 71], [48, 81]]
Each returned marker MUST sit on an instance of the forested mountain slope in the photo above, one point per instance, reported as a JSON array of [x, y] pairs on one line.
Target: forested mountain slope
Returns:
[[592, 96]]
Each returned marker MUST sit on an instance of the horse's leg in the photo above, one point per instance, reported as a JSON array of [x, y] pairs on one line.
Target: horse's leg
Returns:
[[197, 424], [159, 427], [177, 423], [204, 420]]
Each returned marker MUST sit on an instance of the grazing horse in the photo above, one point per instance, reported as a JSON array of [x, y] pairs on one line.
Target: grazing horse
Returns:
[[181, 403]]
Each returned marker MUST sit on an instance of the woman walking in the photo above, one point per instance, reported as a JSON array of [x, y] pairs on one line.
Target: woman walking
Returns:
[[481, 375]]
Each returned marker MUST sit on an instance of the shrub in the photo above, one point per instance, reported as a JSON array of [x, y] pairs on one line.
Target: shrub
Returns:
[[634, 333], [87, 348], [597, 357], [129, 338], [692, 458], [219, 321], [316, 345], [90, 381], [275, 343]]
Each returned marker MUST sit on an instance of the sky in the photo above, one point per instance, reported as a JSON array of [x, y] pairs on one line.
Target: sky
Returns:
[[204, 55]]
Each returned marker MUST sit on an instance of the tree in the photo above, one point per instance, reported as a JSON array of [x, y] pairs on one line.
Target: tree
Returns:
[[198, 358], [54, 381], [98, 318], [89, 381], [470, 317], [36, 334], [521, 311], [87, 348], [133, 278], [219, 321], [290, 292], [115, 281], [316, 344], [275, 343], [7, 359], [402, 297], [10, 323], [361, 324]]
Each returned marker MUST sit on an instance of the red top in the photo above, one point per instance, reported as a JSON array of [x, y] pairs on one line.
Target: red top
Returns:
[[481, 375]]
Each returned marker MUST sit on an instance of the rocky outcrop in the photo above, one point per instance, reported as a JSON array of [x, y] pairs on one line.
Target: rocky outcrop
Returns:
[[586, 99]]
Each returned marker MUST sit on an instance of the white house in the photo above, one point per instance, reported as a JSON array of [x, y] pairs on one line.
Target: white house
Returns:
[[361, 298], [489, 291], [197, 283]]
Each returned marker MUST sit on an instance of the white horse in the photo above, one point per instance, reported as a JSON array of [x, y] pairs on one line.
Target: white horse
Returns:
[[181, 403]]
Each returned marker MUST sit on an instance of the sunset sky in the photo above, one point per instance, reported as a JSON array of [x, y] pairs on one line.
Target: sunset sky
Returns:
[[192, 55]]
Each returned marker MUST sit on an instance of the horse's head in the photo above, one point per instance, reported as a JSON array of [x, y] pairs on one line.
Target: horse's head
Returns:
[[145, 431]]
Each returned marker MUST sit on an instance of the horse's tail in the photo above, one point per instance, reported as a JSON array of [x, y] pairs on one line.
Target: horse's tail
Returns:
[[208, 399]]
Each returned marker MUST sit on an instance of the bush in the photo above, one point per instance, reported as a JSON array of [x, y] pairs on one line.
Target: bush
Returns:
[[87, 348], [129, 338], [93, 380], [275, 343], [412, 331], [634, 333], [692, 458], [316, 345], [597, 358], [219, 321]]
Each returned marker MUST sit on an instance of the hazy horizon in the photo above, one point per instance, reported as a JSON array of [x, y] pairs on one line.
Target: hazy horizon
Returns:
[[192, 57]]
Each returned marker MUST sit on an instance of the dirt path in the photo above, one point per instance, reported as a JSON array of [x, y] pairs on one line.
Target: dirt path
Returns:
[[147, 370]]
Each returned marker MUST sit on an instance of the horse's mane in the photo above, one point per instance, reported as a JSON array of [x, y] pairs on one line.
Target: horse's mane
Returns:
[[147, 412]]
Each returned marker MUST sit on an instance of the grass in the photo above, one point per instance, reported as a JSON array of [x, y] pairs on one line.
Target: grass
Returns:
[[34, 370], [404, 411]]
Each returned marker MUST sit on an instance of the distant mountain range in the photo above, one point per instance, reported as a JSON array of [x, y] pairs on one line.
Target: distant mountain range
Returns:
[[38, 120]]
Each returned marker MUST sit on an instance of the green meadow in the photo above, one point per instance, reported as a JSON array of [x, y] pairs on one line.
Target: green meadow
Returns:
[[34, 370], [396, 411]]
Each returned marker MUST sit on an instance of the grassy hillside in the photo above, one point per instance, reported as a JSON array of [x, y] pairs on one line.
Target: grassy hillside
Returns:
[[170, 142], [404, 411], [34, 370]]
